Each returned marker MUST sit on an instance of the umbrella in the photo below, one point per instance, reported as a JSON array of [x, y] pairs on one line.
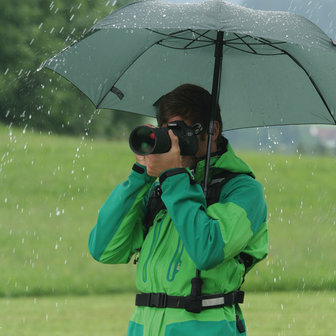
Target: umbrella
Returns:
[[265, 68]]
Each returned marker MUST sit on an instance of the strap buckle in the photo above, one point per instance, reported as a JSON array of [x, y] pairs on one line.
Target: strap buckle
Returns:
[[193, 304], [158, 300]]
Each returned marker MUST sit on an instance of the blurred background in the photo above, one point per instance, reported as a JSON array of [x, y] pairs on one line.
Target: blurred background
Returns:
[[60, 158]]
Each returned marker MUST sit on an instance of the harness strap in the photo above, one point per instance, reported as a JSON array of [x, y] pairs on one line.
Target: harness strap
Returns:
[[162, 300]]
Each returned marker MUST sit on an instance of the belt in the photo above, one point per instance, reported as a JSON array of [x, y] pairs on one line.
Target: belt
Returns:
[[162, 300]]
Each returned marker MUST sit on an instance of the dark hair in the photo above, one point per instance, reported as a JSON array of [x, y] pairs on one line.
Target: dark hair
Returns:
[[192, 103]]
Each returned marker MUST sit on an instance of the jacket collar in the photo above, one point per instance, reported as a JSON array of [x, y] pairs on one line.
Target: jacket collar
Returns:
[[223, 159]]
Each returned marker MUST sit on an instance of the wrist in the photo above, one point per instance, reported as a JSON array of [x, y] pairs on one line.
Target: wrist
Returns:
[[139, 168]]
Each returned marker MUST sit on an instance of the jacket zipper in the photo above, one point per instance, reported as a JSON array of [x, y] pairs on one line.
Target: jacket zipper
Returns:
[[175, 263], [156, 235]]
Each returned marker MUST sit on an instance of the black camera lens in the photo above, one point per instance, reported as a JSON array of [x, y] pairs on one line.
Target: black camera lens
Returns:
[[142, 140], [146, 140]]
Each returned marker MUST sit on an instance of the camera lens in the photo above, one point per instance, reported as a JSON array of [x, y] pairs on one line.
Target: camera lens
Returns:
[[142, 140]]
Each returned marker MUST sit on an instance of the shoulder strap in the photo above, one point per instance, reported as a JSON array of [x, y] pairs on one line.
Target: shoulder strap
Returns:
[[154, 205], [216, 185]]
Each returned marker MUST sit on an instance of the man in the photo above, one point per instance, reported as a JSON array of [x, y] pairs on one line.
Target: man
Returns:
[[222, 239]]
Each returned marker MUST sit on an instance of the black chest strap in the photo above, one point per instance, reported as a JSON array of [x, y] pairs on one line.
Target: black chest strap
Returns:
[[162, 300], [154, 206]]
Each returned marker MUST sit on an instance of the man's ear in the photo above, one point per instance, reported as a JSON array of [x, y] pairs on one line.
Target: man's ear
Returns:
[[216, 131]]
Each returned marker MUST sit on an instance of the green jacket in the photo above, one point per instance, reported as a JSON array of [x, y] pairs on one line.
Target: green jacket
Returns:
[[184, 236]]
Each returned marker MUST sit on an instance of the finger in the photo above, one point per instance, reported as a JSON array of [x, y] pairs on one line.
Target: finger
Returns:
[[140, 159], [174, 138]]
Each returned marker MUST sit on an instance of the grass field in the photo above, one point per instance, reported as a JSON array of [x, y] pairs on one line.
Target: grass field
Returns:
[[266, 314], [51, 188]]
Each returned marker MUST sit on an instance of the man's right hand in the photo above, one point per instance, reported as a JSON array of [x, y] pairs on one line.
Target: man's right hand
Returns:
[[140, 159]]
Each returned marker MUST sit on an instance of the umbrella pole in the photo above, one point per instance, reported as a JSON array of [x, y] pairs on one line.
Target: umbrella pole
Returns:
[[214, 102], [196, 283]]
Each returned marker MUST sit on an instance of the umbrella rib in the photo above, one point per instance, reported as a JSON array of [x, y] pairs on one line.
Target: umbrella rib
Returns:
[[184, 48], [167, 35], [199, 35], [235, 39], [174, 35], [257, 39], [253, 53], [245, 36], [245, 43], [306, 72]]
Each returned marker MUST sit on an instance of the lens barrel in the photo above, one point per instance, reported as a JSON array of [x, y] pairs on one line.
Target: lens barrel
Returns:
[[146, 140]]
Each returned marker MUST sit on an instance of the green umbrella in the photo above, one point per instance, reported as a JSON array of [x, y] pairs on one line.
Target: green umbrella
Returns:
[[278, 68]]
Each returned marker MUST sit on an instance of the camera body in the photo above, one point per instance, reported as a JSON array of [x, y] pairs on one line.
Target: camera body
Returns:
[[146, 140]]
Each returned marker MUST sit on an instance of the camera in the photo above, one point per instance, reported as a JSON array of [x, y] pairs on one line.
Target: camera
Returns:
[[146, 140]]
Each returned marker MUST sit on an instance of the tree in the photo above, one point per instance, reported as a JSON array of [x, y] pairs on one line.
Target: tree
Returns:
[[33, 31]]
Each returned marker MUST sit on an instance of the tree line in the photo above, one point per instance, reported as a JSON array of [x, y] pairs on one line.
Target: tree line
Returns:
[[33, 31]]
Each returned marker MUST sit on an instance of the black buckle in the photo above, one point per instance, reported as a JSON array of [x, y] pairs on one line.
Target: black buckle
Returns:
[[234, 298], [158, 300], [193, 304], [157, 191], [240, 296]]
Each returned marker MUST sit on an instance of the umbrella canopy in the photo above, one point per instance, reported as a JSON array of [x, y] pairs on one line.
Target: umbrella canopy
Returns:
[[278, 68]]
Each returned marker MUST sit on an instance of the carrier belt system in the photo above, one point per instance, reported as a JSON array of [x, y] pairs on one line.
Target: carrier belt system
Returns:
[[162, 300]]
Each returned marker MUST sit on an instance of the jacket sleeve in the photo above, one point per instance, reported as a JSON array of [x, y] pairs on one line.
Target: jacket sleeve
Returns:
[[212, 235], [119, 229]]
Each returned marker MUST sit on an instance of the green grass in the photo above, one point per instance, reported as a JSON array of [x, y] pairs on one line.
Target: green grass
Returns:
[[51, 188], [266, 314]]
